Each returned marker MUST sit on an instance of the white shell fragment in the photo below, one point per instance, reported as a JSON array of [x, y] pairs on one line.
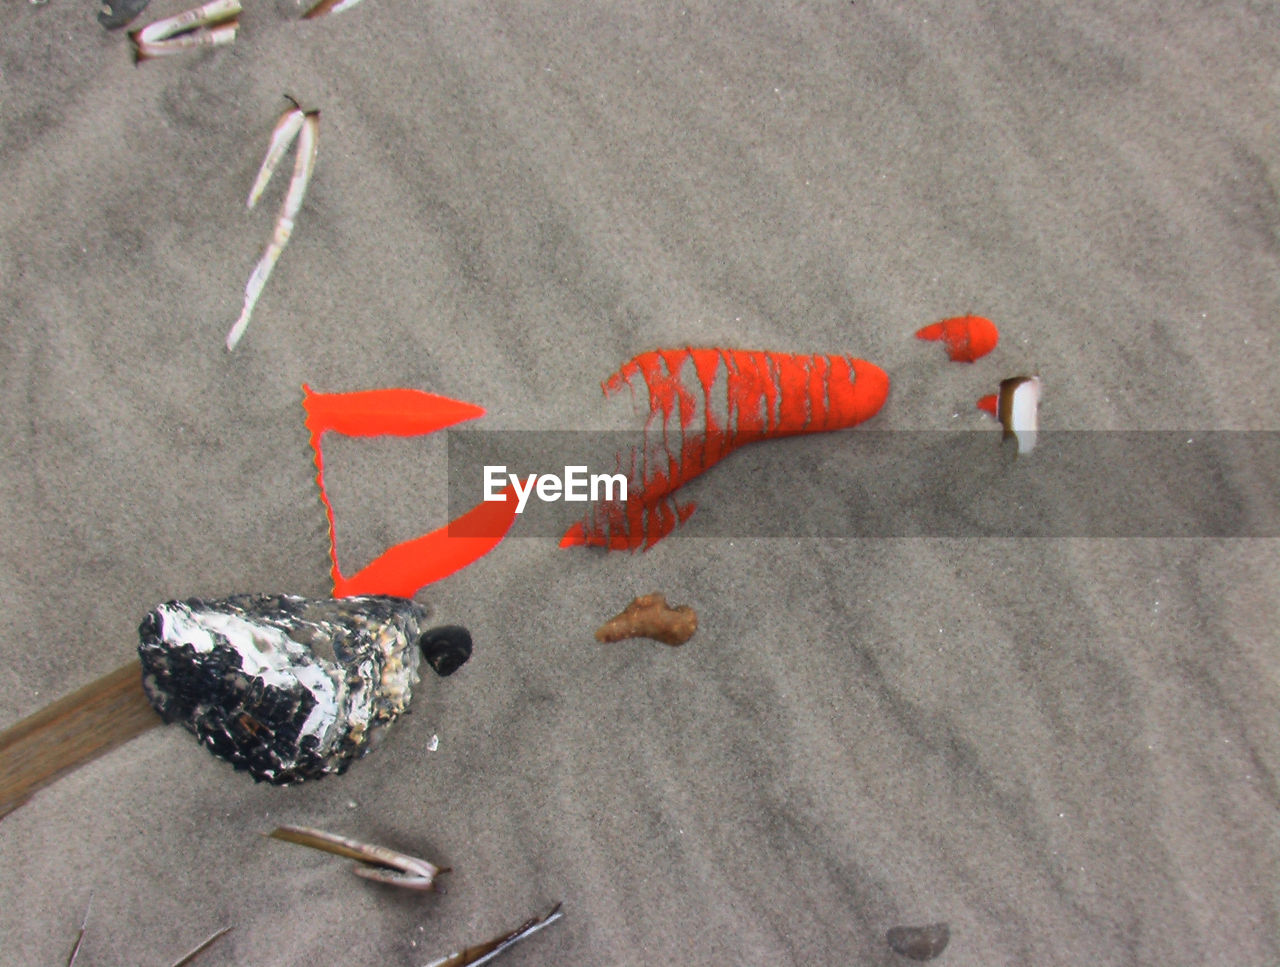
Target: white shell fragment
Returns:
[[305, 127], [281, 686], [211, 25], [1018, 410]]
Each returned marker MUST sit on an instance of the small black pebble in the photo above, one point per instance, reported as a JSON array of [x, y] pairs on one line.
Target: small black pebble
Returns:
[[919, 943], [116, 13], [446, 648]]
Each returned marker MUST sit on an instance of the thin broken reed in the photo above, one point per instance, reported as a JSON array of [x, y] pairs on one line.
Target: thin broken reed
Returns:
[[183, 961], [305, 127], [485, 952], [201, 947], [84, 923]]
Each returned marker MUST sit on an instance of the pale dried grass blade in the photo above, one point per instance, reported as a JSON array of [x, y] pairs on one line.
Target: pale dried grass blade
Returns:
[[202, 947], [485, 952], [382, 865], [327, 7], [211, 25], [211, 13], [303, 165], [212, 37], [84, 923], [282, 138]]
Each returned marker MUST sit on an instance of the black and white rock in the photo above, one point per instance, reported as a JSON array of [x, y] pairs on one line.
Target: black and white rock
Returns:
[[282, 686]]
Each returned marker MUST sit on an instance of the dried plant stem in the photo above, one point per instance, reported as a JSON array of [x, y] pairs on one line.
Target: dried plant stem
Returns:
[[211, 25], [485, 952], [84, 923], [282, 137], [202, 947], [308, 132], [328, 6], [70, 732], [212, 12], [212, 37], [383, 865]]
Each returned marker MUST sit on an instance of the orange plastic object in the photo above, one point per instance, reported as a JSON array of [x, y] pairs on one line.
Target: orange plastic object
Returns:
[[413, 564], [990, 404], [966, 337], [713, 401]]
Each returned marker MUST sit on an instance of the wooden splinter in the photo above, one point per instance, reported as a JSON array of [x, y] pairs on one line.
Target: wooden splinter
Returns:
[[651, 617], [70, 732]]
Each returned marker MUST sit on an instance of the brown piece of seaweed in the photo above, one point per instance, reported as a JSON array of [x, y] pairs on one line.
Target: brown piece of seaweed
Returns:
[[651, 617]]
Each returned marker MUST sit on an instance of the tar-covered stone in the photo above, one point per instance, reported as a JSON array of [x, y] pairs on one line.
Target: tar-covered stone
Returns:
[[283, 687]]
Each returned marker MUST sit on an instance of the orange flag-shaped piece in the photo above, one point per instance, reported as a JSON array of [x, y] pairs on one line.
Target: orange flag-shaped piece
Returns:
[[405, 568]]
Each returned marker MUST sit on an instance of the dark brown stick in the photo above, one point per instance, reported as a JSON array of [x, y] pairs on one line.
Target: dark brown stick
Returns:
[[72, 731]]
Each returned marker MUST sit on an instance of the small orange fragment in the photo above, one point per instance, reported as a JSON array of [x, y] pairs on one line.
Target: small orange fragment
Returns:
[[966, 337]]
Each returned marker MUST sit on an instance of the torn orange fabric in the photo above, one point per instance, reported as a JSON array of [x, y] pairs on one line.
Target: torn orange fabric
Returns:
[[407, 567]]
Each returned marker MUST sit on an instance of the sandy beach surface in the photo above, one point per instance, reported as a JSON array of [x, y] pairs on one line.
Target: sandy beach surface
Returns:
[[1065, 748]]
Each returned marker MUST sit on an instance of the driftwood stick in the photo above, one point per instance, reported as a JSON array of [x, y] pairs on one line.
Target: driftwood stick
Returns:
[[70, 732]]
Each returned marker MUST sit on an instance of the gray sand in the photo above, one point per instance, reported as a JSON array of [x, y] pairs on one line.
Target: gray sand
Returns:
[[1067, 749]]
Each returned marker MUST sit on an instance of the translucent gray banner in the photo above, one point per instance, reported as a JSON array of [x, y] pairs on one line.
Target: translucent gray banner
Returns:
[[904, 484]]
